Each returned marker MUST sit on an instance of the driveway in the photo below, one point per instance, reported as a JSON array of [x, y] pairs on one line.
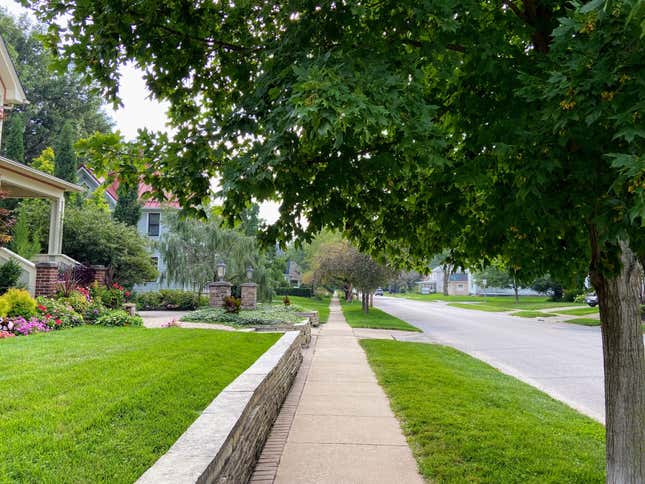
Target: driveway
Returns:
[[563, 360]]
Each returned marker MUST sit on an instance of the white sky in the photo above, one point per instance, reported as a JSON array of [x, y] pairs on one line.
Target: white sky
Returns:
[[139, 111]]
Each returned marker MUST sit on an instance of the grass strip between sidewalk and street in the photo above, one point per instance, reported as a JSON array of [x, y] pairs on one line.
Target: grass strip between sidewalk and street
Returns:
[[584, 321], [374, 319], [580, 311], [467, 422], [103, 404], [533, 314], [312, 304]]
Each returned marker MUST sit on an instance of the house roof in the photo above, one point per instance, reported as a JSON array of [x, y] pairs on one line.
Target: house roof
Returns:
[[14, 93], [13, 171], [113, 188]]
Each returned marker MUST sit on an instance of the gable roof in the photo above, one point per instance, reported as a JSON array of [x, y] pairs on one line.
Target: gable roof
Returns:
[[111, 190], [14, 93]]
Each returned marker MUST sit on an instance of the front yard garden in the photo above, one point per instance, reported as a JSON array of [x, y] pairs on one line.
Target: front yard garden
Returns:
[[375, 319], [467, 422], [264, 315], [97, 404]]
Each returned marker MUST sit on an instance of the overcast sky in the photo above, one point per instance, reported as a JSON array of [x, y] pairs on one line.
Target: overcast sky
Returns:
[[139, 111]]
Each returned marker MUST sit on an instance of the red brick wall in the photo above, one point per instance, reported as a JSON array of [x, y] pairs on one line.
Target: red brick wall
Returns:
[[46, 278]]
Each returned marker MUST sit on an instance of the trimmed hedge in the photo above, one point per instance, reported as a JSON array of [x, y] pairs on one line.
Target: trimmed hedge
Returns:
[[169, 299], [294, 291]]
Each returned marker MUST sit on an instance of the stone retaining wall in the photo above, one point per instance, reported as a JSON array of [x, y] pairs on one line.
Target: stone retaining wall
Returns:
[[223, 444], [304, 328]]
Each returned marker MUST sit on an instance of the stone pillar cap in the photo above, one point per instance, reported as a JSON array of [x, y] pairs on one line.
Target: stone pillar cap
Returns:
[[46, 264], [219, 283]]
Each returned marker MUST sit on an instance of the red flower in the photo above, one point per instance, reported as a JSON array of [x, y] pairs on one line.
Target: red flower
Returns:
[[58, 321], [42, 308], [127, 293]]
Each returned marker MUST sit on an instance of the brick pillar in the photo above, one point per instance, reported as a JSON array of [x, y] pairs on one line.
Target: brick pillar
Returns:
[[99, 274], [249, 295], [217, 292], [46, 278]]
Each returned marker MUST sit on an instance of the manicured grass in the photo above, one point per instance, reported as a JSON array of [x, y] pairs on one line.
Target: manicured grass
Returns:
[[375, 319], [313, 304], [492, 303], [533, 314], [103, 404], [580, 311], [467, 422], [584, 321]]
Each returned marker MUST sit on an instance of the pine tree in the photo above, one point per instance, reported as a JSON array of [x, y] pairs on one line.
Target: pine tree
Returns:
[[14, 144], [128, 207], [66, 161]]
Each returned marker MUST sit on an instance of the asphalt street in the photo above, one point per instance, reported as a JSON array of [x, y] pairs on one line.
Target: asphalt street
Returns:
[[564, 360]]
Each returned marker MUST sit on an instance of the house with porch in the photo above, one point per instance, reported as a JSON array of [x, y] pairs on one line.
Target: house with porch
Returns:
[[21, 181]]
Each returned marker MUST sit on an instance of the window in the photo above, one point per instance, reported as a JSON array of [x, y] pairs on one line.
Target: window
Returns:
[[153, 224], [155, 263]]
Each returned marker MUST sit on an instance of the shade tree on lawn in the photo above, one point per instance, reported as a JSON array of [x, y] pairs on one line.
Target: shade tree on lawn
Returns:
[[506, 129]]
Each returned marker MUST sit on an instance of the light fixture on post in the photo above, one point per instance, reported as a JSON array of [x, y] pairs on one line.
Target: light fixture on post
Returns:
[[221, 270], [249, 273]]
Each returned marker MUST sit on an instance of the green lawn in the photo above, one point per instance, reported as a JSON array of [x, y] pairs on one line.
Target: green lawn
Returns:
[[494, 303], [467, 422], [580, 311], [313, 304], [584, 321], [375, 319], [533, 314], [95, 404]]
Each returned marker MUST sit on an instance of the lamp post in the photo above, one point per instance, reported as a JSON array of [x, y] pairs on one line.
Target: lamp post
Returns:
[[220, 290], [221, 270]]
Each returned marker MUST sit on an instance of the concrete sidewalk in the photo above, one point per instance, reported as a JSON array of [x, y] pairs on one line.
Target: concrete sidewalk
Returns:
[[342, 429]]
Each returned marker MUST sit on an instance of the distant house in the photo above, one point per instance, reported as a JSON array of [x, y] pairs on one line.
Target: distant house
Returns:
[[150, 224], [460, 282], [293, 274]]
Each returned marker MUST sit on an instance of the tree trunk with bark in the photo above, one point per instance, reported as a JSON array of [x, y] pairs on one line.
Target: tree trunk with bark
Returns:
[[516, 290], [371, 299], [447, 268], [624, 365]]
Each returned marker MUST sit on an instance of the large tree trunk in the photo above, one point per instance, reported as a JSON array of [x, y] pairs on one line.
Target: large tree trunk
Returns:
[[365, 297], [447, 268], [624, 365], [371, 299], [516, 289]]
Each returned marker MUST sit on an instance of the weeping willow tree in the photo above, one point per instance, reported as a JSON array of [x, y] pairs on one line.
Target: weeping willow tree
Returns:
[[192, 249]]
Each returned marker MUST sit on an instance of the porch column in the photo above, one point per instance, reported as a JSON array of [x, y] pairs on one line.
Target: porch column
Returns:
[[56, 226]]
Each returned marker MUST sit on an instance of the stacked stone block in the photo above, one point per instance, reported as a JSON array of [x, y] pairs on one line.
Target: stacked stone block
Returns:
[[249, 294], [218, 291]]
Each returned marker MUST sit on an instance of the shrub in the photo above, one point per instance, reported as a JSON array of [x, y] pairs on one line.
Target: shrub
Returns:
[[53, 310], [294, 291], [94, 311], [232, 304], [9, 275], [77, 301], [19, 303], [321, 293], [119, 318], [112, 297], [170, 299], [4, 307]]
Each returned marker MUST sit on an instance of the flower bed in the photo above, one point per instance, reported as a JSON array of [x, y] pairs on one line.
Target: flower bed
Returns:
[[21, 315], [265, 314]]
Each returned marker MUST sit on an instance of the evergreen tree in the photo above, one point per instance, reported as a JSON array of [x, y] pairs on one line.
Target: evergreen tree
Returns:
[[14, 143], [24, 242], [128, 207], [66, 162]]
